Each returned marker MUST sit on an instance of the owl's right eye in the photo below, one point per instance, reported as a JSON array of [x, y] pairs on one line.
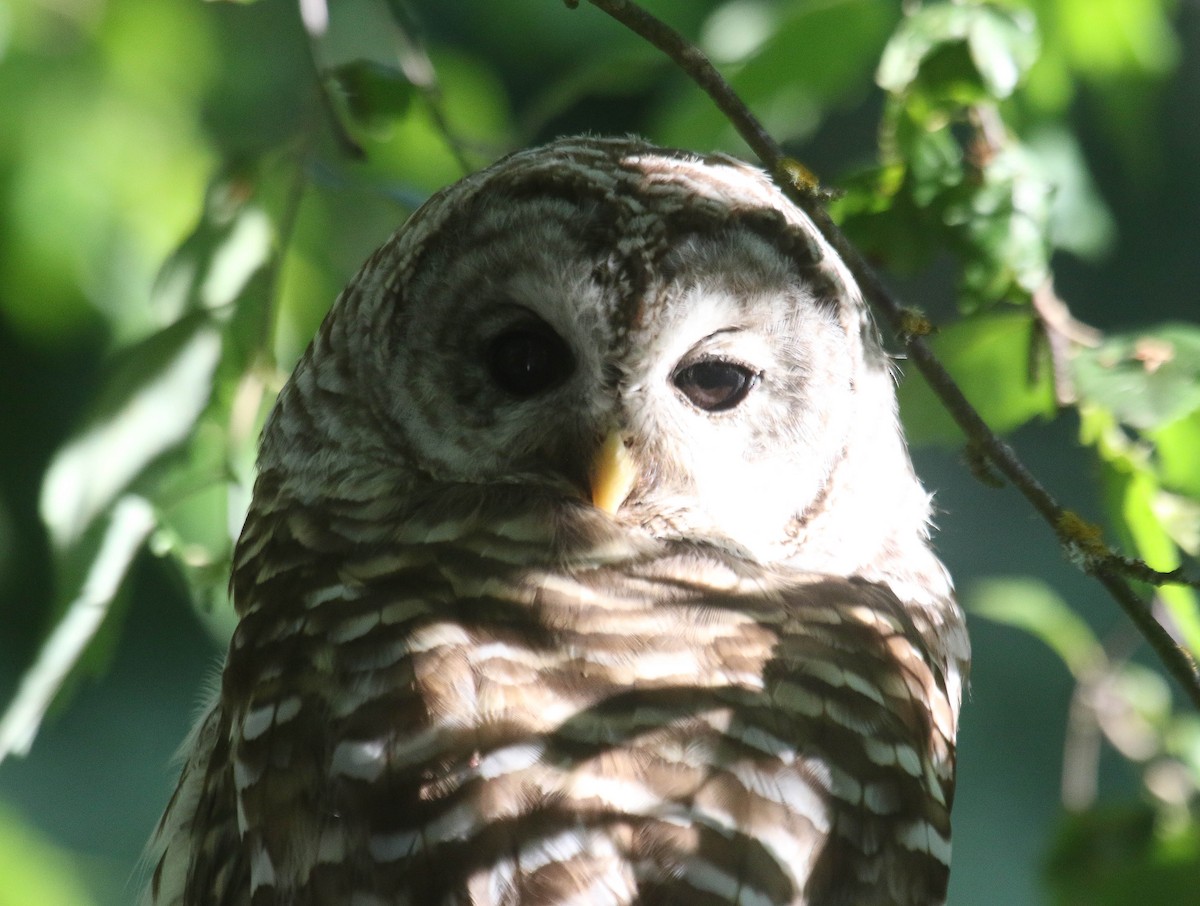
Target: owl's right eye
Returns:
[[528, 360]]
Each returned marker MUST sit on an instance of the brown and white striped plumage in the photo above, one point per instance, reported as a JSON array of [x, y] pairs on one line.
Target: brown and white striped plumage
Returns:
[[458, 680]]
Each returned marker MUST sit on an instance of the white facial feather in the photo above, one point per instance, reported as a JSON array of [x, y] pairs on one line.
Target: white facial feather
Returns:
[[639, 269]]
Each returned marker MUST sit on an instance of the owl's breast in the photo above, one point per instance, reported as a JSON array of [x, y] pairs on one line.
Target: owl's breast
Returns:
[[649, 731]]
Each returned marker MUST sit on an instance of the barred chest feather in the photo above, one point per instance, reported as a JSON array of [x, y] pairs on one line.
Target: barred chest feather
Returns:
[[441, 724]]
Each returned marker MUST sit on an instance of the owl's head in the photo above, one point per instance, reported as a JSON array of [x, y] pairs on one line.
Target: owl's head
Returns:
[[603, 325]]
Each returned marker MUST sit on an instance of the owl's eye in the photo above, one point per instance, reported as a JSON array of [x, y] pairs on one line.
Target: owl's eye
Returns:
[[527, 360], [714, 385]]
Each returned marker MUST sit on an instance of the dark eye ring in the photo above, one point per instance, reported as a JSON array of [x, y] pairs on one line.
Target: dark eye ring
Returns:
[[528, 359], [715, 385]]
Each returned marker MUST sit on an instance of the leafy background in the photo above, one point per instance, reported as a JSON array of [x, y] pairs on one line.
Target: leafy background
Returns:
[[177, 211]]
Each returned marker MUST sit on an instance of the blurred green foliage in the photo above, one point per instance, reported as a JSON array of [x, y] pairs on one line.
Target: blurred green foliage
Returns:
[[34, 869], [188, 185]]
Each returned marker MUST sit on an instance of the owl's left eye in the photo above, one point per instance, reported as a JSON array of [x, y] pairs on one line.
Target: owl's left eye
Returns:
[[528, 360], [715, 385]]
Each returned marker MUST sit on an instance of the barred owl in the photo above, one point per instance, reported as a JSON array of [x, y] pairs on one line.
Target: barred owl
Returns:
[[586, 565]]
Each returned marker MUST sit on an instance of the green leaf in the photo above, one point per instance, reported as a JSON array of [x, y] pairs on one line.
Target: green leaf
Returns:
[[999, 222], [737, 29], [841, 43], [1114, 39], [1177, 445], [883, 221], [474, 108], [148, 406], [1119, 855], [1032, 606], [211, 269], [1180, 519], [104, 156], [34, 869], [1138, 489], [1132, 497], [1146, 696], [1004, 45], [989, 357], [1079, 220], [967, 52], [374, 93], [106, 566], [1183, 741], [624, 72], [201, 500], [933, 158], [1135, 713], [1147, 379], [801, 59], [1153, 543]]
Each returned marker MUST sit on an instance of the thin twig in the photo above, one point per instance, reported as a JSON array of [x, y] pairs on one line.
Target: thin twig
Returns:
[[346, 142], [1081, 747], [700, 69], [1095, 679], [1062, 333], [288, 218]]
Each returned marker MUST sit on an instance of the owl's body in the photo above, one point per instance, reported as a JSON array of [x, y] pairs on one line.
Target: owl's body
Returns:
[[586, 565]]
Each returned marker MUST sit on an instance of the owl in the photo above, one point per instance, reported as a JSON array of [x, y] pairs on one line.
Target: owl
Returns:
[[586, 564]]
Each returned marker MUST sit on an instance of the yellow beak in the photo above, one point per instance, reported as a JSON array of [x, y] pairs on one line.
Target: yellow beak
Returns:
[[613, 473]]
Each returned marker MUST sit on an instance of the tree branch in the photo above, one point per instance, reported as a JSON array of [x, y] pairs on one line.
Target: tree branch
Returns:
[[1087, 551]]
